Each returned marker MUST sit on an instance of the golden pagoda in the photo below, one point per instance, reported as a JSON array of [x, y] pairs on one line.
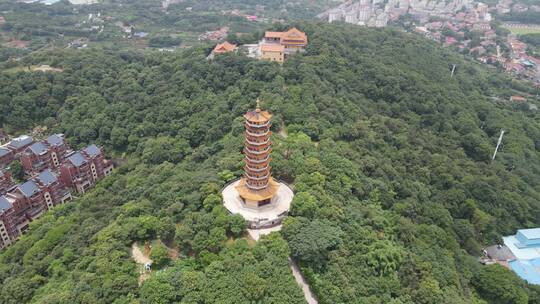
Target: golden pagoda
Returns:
[[257, 187]]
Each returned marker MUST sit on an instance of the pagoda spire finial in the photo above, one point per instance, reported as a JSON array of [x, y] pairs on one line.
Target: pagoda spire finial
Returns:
[[258, 108]]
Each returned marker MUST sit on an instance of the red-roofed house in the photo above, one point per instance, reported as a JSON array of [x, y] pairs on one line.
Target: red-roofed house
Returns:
[[518, 99], [449, 41], [224, 47]]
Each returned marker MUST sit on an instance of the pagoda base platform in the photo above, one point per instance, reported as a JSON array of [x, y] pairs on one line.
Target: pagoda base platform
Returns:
[[266, 216]]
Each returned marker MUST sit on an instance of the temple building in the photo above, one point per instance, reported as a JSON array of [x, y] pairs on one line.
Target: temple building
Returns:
[[273, 52], [260, 199], [257, 187], [277, 46], [222, 48]]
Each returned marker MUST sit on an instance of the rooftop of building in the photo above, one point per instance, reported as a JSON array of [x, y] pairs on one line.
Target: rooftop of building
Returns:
[[77, 159], [270, 34], [292, 34], [518, 98], [28, 188], [257, 195], [257, 115], [55, 139], [224, 47], [46, 177], [269, 47], [4, 203], [531, 234], [529, 270], [4, 151], [499, 253], [521, 251], [38, 148], [20, 141], [92, 150]]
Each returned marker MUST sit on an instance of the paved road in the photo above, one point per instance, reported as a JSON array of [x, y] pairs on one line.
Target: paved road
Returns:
[[310, 298]]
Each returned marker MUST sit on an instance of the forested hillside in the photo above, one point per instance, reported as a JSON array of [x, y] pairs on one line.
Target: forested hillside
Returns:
[[389, 157]]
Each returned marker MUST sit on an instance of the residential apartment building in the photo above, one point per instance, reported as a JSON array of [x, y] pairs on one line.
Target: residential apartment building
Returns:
[[27, 202], [6, 182], [10, 151], [47, 154], [62, 170], [81, 170], [6, 156], [18, 144], [13, 218]]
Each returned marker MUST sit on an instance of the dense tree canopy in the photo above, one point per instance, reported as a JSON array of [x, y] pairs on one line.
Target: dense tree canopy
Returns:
[[389, 156]]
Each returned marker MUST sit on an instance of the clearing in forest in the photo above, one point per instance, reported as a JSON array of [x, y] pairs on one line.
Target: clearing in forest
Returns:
[[142, 260]]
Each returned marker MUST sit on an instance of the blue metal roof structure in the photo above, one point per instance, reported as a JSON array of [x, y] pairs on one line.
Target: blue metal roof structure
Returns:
[[47, 177], [28, 189], [77, 159], [92, 150], [55, 139], [20, 141], [38, 148], [529, 236], [3, 151], [525, 246], [529, 270], [4, 203]]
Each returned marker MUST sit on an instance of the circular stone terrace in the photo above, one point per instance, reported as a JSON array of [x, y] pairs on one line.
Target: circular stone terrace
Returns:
[[260, 217]]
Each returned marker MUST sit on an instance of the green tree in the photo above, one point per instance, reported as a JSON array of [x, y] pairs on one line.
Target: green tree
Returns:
[[499, 285], [17, 170], [311, 241], [304, 204], [160, 255], [237, 225], [211, 201]]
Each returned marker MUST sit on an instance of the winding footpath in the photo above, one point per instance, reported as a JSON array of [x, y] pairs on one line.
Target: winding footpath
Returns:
[[310, 297]]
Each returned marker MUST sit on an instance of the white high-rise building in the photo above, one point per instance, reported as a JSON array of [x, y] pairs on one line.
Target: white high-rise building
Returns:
[[382, 20], [364, 14], [351, 16], [335, 15]]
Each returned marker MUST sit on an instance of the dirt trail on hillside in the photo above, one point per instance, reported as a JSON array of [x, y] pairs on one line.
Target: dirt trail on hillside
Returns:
[[140, 259], [138, 256]]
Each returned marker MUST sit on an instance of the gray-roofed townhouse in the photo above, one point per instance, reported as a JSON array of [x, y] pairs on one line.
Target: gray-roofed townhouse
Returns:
[[47, 154], [54, 190], [83, 169], [6, 182], [5, 206], [18, 144], [6, 156], [14, 218]]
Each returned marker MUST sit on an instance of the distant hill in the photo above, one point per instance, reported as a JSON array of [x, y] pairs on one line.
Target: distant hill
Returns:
[[389, 157]]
